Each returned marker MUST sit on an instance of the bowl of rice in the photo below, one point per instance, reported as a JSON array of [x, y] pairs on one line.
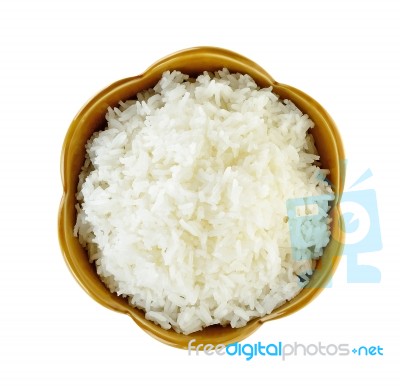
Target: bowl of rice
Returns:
[[201, 198]]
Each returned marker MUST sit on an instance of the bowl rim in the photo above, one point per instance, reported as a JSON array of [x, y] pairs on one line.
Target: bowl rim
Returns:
[[308, 294]]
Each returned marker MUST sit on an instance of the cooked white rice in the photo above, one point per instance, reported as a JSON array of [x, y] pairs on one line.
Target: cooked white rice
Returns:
[[183, 200]]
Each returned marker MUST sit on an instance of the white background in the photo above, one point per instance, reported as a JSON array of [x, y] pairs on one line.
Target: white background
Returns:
[[56, 54]]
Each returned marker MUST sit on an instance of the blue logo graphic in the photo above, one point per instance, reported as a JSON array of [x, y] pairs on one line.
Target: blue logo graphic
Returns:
[[307, 225], [360, 213]]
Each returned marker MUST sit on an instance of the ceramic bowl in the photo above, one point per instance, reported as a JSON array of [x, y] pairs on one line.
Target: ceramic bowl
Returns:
[[92, 117]]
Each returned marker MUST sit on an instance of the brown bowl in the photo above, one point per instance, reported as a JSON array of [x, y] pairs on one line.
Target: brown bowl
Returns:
[[92, 117]]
